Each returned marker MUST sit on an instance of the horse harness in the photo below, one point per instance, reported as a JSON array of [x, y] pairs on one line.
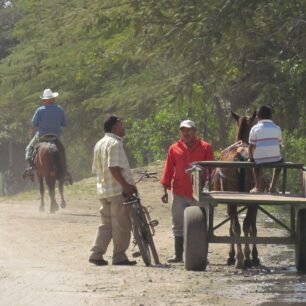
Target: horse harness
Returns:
[[236, 152]]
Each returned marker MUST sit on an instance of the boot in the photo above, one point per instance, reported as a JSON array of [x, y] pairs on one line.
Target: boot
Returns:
[[29, 172], [178, 244]]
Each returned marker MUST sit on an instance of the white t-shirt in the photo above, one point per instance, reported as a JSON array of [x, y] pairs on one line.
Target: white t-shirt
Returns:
[[267, 138]]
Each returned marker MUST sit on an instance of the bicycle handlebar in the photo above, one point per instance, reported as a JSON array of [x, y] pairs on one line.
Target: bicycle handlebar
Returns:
[[146, 174]]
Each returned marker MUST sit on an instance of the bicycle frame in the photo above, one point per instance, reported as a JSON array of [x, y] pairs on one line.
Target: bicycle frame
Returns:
[[143, 228]]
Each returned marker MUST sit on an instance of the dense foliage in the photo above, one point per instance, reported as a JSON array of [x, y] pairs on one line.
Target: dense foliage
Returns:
[[154, 62]]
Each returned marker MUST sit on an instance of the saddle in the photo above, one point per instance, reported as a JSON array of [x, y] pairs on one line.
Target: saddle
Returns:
[[51, 138], [237, 151]]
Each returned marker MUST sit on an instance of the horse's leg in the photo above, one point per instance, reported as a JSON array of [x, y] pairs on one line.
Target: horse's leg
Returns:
[[246, 230], [235, 231], [50, 180], [42, 193], [61, 190], [232, 213], [231, 259], [253, 233]]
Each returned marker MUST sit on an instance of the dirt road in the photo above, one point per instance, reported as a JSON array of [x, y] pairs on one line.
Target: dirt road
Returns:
[[44, 261]]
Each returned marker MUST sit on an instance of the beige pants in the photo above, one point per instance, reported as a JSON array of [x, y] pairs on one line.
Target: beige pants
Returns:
[[115, 225]]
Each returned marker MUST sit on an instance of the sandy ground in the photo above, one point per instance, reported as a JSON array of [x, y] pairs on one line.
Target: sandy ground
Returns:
[[44, 261]]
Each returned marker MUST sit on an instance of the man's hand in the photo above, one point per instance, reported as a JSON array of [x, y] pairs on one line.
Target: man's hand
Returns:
[[164, 198], [129, 189]]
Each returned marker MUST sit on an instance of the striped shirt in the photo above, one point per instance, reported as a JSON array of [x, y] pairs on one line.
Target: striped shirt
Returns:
[[267, 138], [109, 152], [49, 119]]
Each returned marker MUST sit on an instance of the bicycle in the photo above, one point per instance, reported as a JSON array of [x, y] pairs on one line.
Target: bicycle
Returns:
[[142, 225]]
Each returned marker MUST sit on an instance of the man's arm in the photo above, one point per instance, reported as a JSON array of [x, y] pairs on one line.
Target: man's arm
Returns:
[[128, 189], [64, 119], [251, 152], [167, 176], [165, 198]]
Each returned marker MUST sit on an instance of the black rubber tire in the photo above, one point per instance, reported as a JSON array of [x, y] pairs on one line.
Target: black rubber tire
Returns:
[[300, 244], [195, 239], [139, 232]]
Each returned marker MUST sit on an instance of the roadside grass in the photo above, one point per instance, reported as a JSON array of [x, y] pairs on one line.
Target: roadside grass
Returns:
[[83, 189]]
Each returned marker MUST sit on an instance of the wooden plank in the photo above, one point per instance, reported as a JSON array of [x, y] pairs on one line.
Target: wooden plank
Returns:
[[218, 197], [238, 164], [251, 240], [304, 182], [197, 184]]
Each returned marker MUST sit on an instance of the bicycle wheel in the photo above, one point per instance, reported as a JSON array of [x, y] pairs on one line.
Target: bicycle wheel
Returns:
[[140, 233], [149, 236]]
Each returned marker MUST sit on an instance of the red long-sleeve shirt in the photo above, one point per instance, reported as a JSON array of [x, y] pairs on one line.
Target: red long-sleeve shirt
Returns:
[[179, 159]]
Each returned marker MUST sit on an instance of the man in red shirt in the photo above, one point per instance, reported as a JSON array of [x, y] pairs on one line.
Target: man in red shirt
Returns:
[[187, 150]]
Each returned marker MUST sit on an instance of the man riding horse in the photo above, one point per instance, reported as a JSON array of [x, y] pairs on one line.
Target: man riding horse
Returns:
[[47, 120]]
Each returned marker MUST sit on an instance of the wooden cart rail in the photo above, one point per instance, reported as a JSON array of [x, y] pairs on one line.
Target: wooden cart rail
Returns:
[[241, 164], [197, 168], [217, 197]]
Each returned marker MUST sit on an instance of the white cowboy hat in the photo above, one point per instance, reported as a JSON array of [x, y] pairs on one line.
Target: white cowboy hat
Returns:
[[48, 94]]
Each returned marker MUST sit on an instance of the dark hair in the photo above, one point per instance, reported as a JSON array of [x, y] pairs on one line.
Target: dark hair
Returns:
[[264, 112], [109, 122]]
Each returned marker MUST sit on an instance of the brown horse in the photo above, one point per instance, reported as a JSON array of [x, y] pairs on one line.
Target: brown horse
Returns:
[[231, 179], [47, 162]]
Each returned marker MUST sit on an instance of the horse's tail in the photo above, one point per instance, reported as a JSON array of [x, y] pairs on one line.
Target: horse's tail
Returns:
[[54, 154], [57, 162]]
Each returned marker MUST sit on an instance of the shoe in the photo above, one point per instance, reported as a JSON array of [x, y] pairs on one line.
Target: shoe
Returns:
[[98, 262], [174, 259], [255, 190], [125, 263]]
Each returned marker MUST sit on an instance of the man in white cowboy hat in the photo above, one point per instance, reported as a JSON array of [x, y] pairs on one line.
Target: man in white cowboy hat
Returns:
[[48, 119]]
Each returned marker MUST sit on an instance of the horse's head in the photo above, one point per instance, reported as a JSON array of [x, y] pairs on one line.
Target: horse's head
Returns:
[[244, 125]]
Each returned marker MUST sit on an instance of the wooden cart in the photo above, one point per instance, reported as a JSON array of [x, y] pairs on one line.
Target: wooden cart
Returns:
[[199, 227]]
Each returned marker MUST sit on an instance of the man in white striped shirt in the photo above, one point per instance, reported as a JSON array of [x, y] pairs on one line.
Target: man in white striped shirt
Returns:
[[114, 177], [264, 146]]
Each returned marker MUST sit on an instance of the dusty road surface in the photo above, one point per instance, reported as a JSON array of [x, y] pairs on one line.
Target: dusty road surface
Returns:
[[44, 261]]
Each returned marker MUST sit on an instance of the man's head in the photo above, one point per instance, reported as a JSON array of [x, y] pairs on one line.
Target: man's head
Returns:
[[113, 124], [48, 97], [188, 132], [264, 112]]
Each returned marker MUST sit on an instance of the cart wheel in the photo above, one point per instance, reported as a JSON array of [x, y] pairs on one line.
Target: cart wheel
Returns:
[[195, 239], [300, 244]]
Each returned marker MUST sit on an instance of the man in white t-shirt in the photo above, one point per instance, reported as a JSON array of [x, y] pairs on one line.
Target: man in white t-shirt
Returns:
[[264, 146]]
